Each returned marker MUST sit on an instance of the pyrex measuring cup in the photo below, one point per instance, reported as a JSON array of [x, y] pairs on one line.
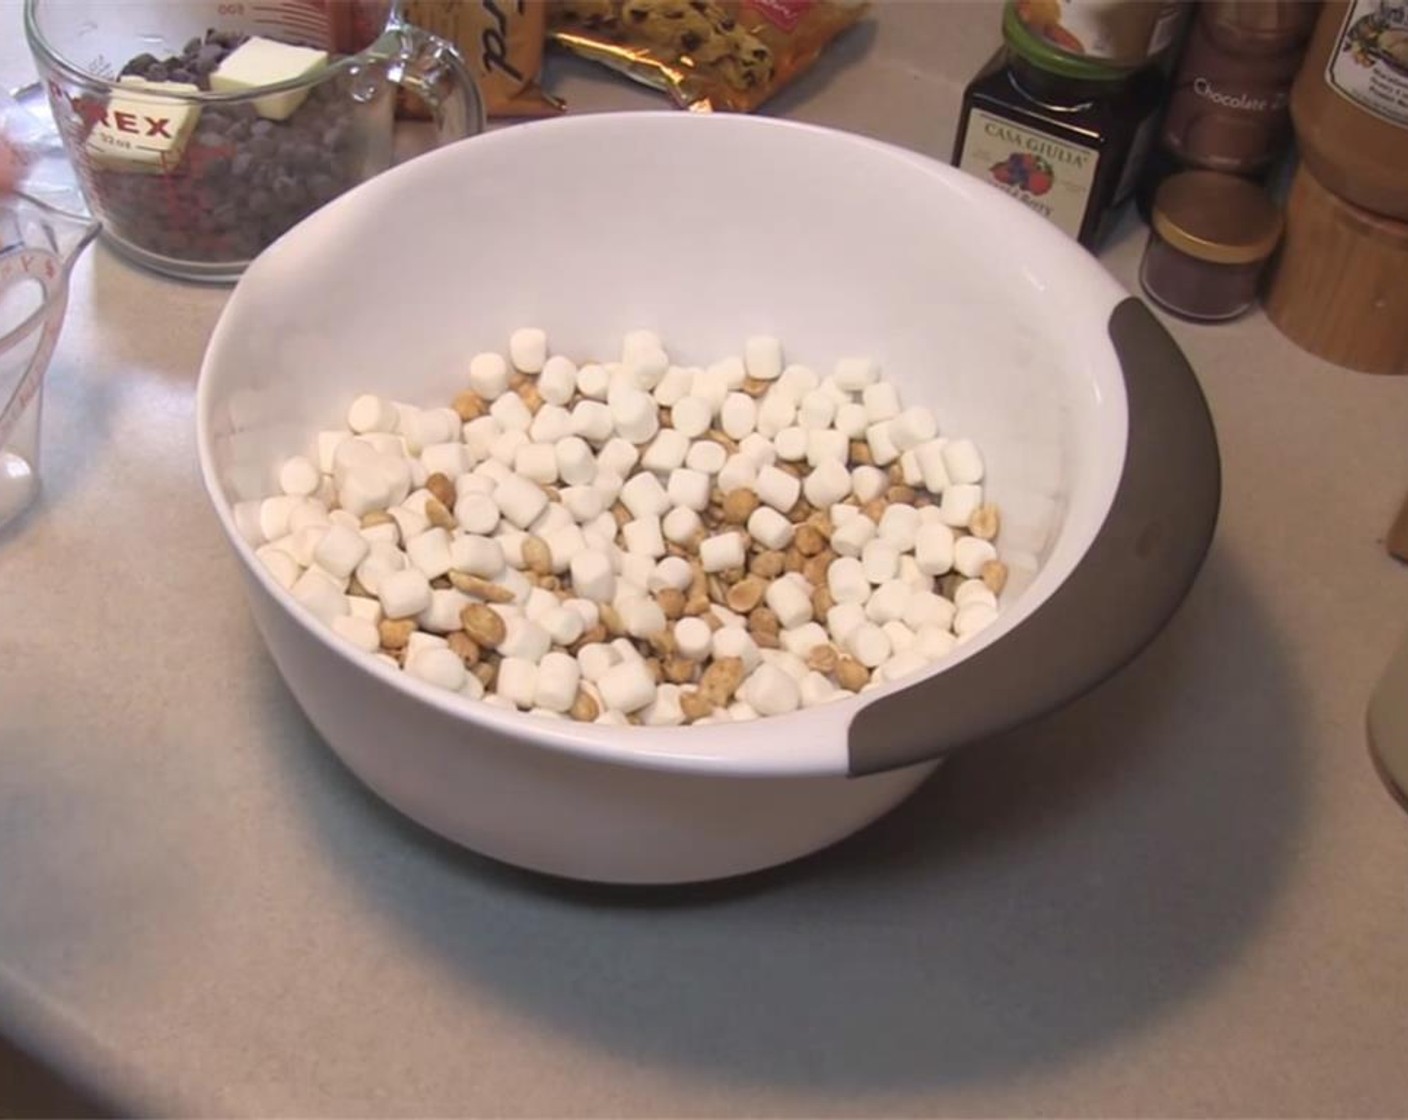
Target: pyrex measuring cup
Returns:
[[38, 245], [196, 183]]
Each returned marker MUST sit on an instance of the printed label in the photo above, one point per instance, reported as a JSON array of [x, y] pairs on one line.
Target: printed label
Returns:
[[1050, 176], [785, 14], [1369, 64]]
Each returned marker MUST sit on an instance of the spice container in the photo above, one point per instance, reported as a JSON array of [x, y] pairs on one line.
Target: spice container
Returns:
[[1123, 34], [1350, 104], [1229, 110], [1339, 288], [1211, 237], [1065, 137]]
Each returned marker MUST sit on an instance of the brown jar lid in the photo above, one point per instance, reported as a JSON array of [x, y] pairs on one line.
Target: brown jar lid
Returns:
[[1216, 217]]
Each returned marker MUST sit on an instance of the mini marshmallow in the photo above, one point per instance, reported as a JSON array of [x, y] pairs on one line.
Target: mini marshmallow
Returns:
[[528, 349], [963, 461], [851, 536], [634, 413], [851, 420], [928, 609], [880, 560], [868, 644], [641, 616], [778, 488], [972, 618], [738, 473], [721, 552], [563, 544], [791, 444], [912, 472], [517, 681], [827, 483], [489, 375], [706, 456], [477, 556], [959, 502], [889, 601], [643, 496], [593, 576], [340, 551], [664, 710], [357, 631], [738, 416], [537, 462], [902, 663], [539, 602], [868, 483], [593, 381], [762, 357], [594, 659], [934, 548], [802, 639], [974, 591], [299, 477], [512, 414], [732, 370], [883, 449], [673, 387], [854, 374], [327, 442], [553, 518], [769, 528], [619, 456], [556, 686], [899, 525], [933, 642], [370, 413], [912, 427], [642, 536], [583, 502], [506, 446], [842, 618], [440, 667], [476, 513], [666, 451], [524, 638], [816, 410], [558, 380], [775, 413], [430, 552], [673, 571], [735, 641], [689, 488], [403, 593], [817, 689], [519, 500], [693, 638], [680, 525], [881, 400], [691, 416], [771, 691], [576, 466], [790, 602], [442, 616], [479, 435], [607, 484], [627, 687], [847, 581], [827, 445], [275, 514], [419, 641], [796, 381], [971, 553], [550, 423], [279, 564]]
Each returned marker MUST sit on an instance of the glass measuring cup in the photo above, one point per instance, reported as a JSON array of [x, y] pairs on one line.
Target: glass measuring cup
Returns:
[[195, 183], [38, 245]]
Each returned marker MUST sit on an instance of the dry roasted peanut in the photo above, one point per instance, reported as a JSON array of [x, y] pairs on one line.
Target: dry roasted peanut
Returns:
[[671, 601], [584, 708], [875, 509], [395, 632], [860, 454], [767, 565], [441, 583], [754, 387], [662, 643], [767, 641], [793, 561], [531, 397], [483, 624], [696, 604], [789, 468], [851, 674], [611, 618], [800, 512], [823, 658], [548, 583], [481, 588], [994, 574], [590, 636], [438, 515], [808, 539], [923, 498], [465, 646], [713, 621], [820, 520], [948, 584], [718, 590], [746, 594], [537, 556], [762, 620], [679, 670], [814, 570], [901, 494], [442, 488], [694, 705], [517, 379], [985, 522], [553, 493], [822, 600], [738, 505], [656, 669], [470, 405], [621, 514], [488, 672], [896, 474], [354, 587], [721, 680], [723, 439], [379, 517]]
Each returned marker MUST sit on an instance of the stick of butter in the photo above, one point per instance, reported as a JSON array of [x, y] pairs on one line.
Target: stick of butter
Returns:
[[145, 134], [257, 63]]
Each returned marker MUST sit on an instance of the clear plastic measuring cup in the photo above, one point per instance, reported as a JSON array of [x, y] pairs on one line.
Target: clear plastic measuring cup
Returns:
[[38, 245], [195, 183]]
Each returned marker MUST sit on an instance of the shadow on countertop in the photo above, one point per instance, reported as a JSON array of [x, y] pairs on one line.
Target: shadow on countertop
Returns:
[[1047, 891]]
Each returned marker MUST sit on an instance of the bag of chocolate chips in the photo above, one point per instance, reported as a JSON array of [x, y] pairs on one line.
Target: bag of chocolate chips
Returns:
[[706, 54], [502, 43]]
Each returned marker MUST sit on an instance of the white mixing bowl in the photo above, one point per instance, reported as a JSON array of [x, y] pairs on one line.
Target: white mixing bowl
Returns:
[[1100, 450]]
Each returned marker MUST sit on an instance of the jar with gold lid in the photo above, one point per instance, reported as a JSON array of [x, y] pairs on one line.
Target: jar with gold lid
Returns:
[[1211, 237]]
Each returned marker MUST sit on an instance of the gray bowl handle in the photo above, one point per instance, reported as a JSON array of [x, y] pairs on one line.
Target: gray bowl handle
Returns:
[[1136, 572]]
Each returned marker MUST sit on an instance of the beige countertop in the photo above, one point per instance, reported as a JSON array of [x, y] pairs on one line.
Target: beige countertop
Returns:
[[1184, 894]]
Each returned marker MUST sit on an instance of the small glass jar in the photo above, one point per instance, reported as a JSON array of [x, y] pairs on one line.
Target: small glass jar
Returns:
[[1212, 235]]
